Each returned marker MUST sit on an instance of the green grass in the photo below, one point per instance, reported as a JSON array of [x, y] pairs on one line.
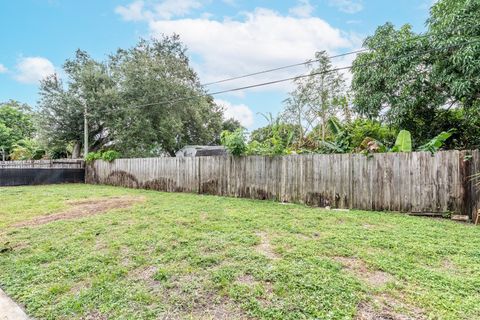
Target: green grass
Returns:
[[190, 256]]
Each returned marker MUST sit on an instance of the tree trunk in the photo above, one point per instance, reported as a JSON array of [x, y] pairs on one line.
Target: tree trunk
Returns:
[[323, 130], [76, 150]]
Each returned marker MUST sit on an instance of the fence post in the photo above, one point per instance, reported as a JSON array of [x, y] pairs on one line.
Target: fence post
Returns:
[[474, 196], [199, 175], [465, 174]]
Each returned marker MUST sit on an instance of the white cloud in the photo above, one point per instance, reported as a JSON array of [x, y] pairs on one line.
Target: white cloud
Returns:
[[347, 6], [132, 12], [262, 39], [170, 8], [166, 9], [303, 10], [3, 69], [33, 69], [239, 112]]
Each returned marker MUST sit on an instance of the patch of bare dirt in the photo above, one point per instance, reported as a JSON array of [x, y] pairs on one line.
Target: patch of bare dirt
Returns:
[[382, 306], [247, 280], [94, 315], [84, 208], [144, 274], [194, 303], [268, 300], [125, 254], [223, 310], [100, 245], [79, 286], [447, 264], [7, 246], [264, 247], [186, 299], [250, 281], [385, 307], [374, 278]]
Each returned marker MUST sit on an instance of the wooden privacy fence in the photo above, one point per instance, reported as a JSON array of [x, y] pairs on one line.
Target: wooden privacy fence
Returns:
[[406, 182], [34, 172]]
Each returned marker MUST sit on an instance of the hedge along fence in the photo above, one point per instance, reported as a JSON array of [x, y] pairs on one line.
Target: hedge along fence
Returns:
[[406, 182]]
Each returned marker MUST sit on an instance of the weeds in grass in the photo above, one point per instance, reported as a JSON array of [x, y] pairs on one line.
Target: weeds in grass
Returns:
[[182, 256]]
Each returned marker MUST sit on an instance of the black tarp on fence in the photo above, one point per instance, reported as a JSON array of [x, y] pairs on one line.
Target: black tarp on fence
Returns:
[[20, 173], [28, 176]]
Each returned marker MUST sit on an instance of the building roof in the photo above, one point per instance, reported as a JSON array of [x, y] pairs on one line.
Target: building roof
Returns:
[[201, 151]]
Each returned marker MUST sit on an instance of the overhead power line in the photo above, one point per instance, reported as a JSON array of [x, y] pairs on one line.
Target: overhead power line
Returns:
[[309, 74], [282, 68], [303, 63], [300, 64]]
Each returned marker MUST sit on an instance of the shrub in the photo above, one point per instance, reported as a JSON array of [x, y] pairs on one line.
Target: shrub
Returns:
[[27, 149], [92, 156], [359, 129], [108, 155], [234, 141]]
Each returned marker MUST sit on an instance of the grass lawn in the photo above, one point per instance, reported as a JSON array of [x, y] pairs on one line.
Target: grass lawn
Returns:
[[152, 255]]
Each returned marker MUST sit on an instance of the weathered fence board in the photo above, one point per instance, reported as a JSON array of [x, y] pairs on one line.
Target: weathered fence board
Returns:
[[407, 182]]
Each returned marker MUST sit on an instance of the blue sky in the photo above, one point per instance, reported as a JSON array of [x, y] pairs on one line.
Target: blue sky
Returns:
[[225, 38]]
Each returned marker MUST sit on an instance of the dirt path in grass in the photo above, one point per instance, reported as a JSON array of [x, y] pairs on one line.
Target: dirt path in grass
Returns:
[[264, 247], [9, 310], [84, 208]]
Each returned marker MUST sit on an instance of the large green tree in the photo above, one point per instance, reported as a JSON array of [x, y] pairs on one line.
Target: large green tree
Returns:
[[392, 81], [162, 106], [142, 101], [16, 124], [456, 70], [62, 106], [423, 82]]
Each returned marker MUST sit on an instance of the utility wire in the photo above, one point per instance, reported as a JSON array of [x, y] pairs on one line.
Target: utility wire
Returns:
[[283, 67], [304, 63], [310, 74], [300, 64]]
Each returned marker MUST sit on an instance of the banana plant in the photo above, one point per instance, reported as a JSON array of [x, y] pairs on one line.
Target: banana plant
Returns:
[[341, 142], [403, 142], [437, 142]]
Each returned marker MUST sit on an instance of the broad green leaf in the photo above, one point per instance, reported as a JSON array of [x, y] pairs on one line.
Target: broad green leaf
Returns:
[[437, 142], [403, 142]]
